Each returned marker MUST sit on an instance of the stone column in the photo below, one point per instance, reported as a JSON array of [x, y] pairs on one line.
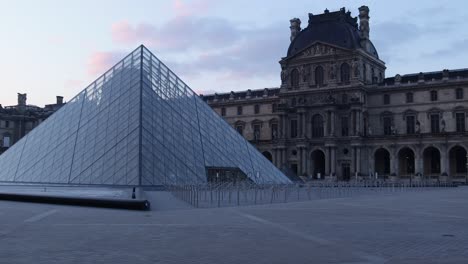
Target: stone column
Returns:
[[327, 160], [358, 122], [443, 161], [304, 161], [333, 161], [358, 159], [284, 125], [304, 125], [275, 158], [283, 158], [418, 162], [332, 132]]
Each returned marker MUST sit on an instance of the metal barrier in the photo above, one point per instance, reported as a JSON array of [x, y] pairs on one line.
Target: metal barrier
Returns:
[[241, 194]]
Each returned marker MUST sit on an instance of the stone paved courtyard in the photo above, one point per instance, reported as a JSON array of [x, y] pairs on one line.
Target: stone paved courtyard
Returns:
[[410, 227]]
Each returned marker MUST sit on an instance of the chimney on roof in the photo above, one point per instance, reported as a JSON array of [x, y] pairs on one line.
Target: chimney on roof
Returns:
[[364, 26], [295, 27], [59, 100], [22, 99]]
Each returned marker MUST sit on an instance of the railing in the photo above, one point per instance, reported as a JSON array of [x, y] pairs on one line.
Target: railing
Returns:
[[241, 194]]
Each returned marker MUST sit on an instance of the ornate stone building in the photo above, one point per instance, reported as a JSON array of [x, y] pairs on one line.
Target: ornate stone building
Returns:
[[337, 116], [16, 121]]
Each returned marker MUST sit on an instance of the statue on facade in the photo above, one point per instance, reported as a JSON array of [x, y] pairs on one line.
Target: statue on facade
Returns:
[[356, 68], [332, 73], [305, 72], [442, 125], [284, 75], [397, 78], [417, 127]]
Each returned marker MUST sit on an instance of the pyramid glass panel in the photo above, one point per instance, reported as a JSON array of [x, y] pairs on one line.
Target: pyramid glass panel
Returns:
[[138, 124]]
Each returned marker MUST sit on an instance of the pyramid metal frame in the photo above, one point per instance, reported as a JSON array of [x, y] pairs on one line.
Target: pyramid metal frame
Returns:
[[137, 124]]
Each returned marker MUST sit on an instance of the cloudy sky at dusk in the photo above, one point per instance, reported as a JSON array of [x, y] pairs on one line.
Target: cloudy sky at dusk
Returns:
[[54, 48]]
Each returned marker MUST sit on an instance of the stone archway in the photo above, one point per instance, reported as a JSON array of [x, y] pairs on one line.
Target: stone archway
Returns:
[[431, 158], [382, 162], [317, 164], [406, 163], [457, 161], [268, 156]]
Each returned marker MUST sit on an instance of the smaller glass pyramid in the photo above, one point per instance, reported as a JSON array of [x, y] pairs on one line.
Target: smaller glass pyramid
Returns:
[[138, 124]]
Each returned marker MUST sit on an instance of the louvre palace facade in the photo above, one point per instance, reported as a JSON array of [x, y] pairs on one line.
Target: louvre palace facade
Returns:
[[18, 120], [338, 116]]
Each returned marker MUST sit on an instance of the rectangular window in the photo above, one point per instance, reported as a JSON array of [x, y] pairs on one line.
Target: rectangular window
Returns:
[[293, 128], [387, 125], [257, 109], [435, 127], [6, 142], [459, 93], [460, 120], [274, 131], [409, 124], [433, 96], [240, 129], [409, 97], [7, 124], [223, 111], [239, 110], [386, 99], [256, 132], [344, 126], [274, 108]]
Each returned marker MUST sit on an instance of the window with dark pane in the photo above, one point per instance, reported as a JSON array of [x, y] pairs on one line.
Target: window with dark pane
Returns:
[[435, 123], [387, 125], [239, 110], [344, 126], [317, 126], [459, 93], [240, 129], [410, 124], [319, 75], [433, 96], [257, 109], [223, 111], [460, 121], [295, 78], [345, 72], [409, 97], [386, 99], [293, 128]]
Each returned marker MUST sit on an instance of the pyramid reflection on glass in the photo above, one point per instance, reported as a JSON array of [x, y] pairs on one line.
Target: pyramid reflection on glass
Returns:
[[138, 124]]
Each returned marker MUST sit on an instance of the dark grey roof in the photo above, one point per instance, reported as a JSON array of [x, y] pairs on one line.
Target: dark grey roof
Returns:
[[428, 76], [336, 28], [258, 93]]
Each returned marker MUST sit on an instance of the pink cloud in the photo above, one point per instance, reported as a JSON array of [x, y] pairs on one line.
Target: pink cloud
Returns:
[[100, 62]]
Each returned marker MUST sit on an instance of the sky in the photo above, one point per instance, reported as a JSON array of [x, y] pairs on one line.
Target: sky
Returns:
[[53, 47]]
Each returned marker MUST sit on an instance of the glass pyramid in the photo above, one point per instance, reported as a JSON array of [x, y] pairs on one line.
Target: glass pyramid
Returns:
[[138, 124]]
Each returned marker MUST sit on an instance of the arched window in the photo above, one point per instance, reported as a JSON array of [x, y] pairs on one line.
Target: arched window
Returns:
[[317, 126], [319, 75], [295, 78], [345, 72]]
